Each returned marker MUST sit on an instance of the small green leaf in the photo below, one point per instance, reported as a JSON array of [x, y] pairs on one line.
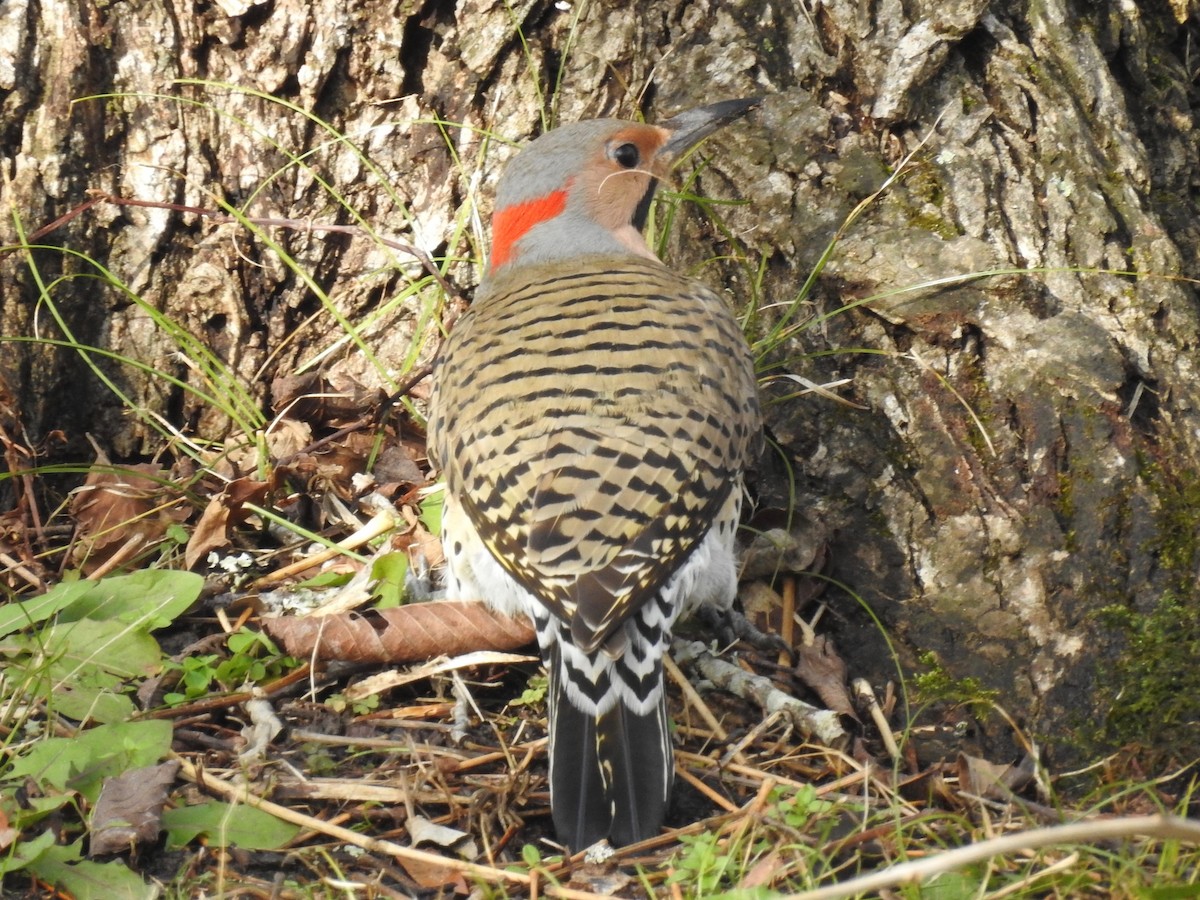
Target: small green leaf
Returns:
[[26, 852], [85, 703], [111, 646], [15, 616], [83, 879], [388, 572], [245, 640], [86, 664], [534, 693], [147, 599], [227, 825], [82, 762], [431, 511], [325, 580], [950, 886], [177, 533]]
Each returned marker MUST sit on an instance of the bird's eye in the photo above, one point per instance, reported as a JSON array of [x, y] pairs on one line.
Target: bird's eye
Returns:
[[626, 155]]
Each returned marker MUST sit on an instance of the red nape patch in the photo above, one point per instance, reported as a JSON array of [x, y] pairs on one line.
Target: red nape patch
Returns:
[[510, 224]]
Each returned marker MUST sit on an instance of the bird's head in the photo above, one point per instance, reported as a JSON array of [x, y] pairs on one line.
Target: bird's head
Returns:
[[586, 188]]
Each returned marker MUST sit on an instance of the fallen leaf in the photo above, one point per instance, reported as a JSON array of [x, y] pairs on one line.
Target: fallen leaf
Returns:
[[129, 809], [418, 631], [396, 464], [601, 880], [784, 543], [115, 507], [330, 401], [423, 831], [992, 781], [763, 873], [432, 875], [820, 667], [227, 825], [8, 834], [241, 456], [211, 532], [225, 509]]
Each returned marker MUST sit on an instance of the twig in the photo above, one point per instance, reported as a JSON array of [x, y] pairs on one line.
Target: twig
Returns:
[[209, 704], [735, 752], [1162, 827], [17, 569], [787, 619], [865, 695], [692, 696], [531, 747], [381, 523], [242, 794], [132, 546], [704, 789], [822, 724]]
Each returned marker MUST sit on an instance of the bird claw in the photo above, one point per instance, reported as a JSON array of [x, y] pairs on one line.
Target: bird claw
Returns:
[[418, 580], [731, 626]]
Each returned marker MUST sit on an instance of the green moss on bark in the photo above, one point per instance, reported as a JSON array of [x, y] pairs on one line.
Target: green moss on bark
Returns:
[[1152, 688]]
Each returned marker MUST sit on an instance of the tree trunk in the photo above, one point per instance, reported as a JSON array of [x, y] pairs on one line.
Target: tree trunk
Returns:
[[1014, 488]]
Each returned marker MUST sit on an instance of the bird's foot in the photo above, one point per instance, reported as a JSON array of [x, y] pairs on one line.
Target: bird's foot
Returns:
[[731, 626], [418, 580]]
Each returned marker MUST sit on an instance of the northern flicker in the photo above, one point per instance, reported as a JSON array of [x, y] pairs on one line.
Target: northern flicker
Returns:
[[593, 414]]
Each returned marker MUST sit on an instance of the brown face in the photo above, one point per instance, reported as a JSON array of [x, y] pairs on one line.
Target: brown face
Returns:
[[622, 174]]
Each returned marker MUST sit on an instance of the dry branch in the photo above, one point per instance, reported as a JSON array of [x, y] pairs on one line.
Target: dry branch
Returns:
[[1162, 827], [821, 724]]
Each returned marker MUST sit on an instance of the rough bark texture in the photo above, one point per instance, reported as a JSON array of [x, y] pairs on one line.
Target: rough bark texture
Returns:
[[1061, 135]]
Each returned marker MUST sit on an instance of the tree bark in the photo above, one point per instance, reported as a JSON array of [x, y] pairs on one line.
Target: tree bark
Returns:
[[1023, 451]]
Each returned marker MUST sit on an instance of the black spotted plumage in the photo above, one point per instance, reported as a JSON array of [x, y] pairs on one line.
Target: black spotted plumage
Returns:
[[593, 414], [593, 421]]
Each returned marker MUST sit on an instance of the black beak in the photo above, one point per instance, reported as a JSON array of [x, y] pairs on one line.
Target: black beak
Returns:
[[692, 126]]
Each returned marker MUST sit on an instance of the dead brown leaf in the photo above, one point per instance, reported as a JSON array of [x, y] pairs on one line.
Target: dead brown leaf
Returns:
[[433, 875], [410, 633], [132, 505], [992, 781], [129, 809], [763, 873], [315, 398], [211, 532], [600, 880], [227, 508], [820, 667], [397, 465], [242, 456], [8, 834], [762, 605], [424, 548], [785, 543]]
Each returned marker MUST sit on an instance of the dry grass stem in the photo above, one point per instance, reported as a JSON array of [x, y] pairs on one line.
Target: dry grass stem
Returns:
[[1161, 827], [693, 699], [379, 524], [242, 794], [787, 617], [704, 789], [865, 696]]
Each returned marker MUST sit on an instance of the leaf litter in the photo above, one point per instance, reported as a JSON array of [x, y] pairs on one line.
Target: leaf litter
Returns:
[[348, 718]]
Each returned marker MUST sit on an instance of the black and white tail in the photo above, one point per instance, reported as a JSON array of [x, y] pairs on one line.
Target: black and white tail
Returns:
[[611, 759]]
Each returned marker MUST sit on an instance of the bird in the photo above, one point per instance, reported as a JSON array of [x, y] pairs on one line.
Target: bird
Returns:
[[593, 414]]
